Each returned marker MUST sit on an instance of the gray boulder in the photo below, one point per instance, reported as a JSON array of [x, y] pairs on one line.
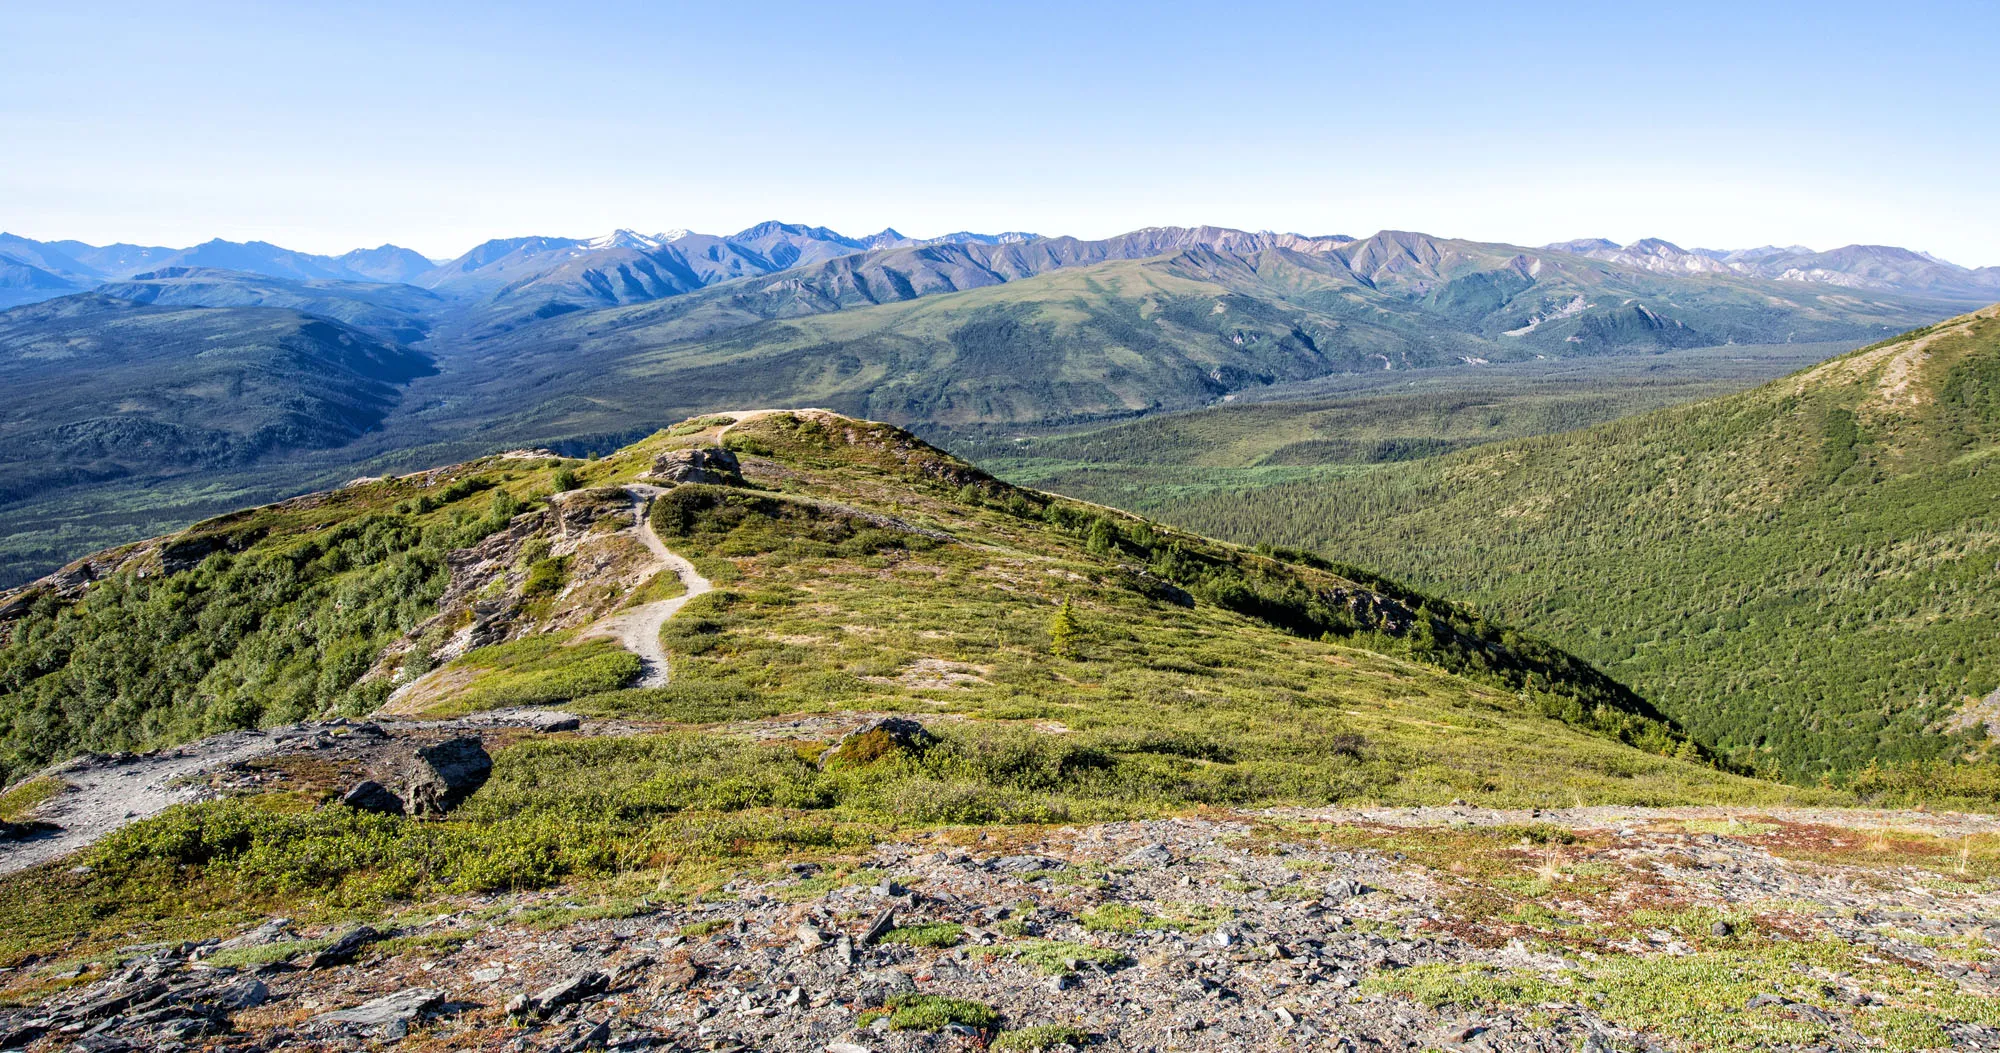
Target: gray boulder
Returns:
[[371, 796], [1149, 856], [386, 1017], [246, 993], [1024, 864], [270, 931], [344, 949], [575, 989], [440, 776], [702, 464]]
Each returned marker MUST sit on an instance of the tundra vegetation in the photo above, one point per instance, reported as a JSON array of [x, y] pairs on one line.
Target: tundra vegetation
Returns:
[[860, 571]]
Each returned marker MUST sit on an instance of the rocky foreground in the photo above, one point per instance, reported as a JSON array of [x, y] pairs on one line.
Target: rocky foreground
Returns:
[[1455, 928]]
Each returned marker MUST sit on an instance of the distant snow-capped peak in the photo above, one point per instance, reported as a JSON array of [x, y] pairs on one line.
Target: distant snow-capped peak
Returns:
[[632, 239]]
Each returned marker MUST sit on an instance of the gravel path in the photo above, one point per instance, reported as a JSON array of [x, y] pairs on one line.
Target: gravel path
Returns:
[[105, 792], [108, 791], [638, 629]]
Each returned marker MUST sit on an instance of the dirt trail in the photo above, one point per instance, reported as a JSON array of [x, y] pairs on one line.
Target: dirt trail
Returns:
[[105, 792], [638, 629]]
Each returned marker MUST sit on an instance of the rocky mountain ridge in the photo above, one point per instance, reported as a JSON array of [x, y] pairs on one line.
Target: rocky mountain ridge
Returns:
[[627, 266], [1875, 267]]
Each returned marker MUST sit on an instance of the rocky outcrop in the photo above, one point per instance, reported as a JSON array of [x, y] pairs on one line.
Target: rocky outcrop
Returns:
[[371, 796], [702, 464], [440, 776], [344, 949], [877, 740], [387, 1017], [1285, 929]]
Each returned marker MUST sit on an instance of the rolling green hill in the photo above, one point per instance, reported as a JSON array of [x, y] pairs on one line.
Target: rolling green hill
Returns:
[[1194, 671], [1802, 574]]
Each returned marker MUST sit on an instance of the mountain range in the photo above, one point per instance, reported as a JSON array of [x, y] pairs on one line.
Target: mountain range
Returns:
[[1879, 267], [651, 265], [626, 266]]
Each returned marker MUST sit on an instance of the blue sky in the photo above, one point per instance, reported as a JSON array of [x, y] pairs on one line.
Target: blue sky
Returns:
[[436, 126]]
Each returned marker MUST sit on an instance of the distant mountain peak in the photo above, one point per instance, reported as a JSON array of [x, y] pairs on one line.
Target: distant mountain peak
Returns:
[[772, 227], [966, 237], [1582, 246], [1657, 247], [624, 239]]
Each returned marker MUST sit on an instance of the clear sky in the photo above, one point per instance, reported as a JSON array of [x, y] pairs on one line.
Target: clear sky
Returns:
[[329, 126]]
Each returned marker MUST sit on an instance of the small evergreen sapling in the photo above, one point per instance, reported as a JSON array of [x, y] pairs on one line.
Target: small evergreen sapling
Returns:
[[1063, 632]]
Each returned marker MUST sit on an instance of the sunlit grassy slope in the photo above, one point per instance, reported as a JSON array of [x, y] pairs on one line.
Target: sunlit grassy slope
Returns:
[[860, 571], [870, 572]]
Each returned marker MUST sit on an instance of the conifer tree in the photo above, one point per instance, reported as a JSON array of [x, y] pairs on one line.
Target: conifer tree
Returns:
[[1063, 631]]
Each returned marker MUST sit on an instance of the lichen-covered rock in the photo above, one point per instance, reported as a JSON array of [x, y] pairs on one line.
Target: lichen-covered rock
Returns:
[[440, 776], [877, 740], [702, 464]]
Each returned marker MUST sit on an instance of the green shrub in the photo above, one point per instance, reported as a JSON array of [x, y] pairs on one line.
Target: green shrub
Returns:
[[923, 1012], [937, 934], [1041, 1037], [264, 954], [546, 577], [540, 670], [23, 798], [1060, 958], [1119, 917]]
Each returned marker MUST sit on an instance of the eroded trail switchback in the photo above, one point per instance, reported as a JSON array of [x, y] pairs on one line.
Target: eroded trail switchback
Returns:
[[638, 629]]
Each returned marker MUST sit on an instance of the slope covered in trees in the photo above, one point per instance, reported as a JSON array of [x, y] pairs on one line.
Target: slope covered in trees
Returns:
[[1803, 574]]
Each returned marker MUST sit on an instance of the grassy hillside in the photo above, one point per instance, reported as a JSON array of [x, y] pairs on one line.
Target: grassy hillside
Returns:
[[865, 571], [1802, 574]]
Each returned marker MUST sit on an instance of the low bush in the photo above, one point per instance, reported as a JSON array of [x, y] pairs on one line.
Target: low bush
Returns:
[[1041, 1037], [925, 1012], [938, 934], [1060, 958]]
